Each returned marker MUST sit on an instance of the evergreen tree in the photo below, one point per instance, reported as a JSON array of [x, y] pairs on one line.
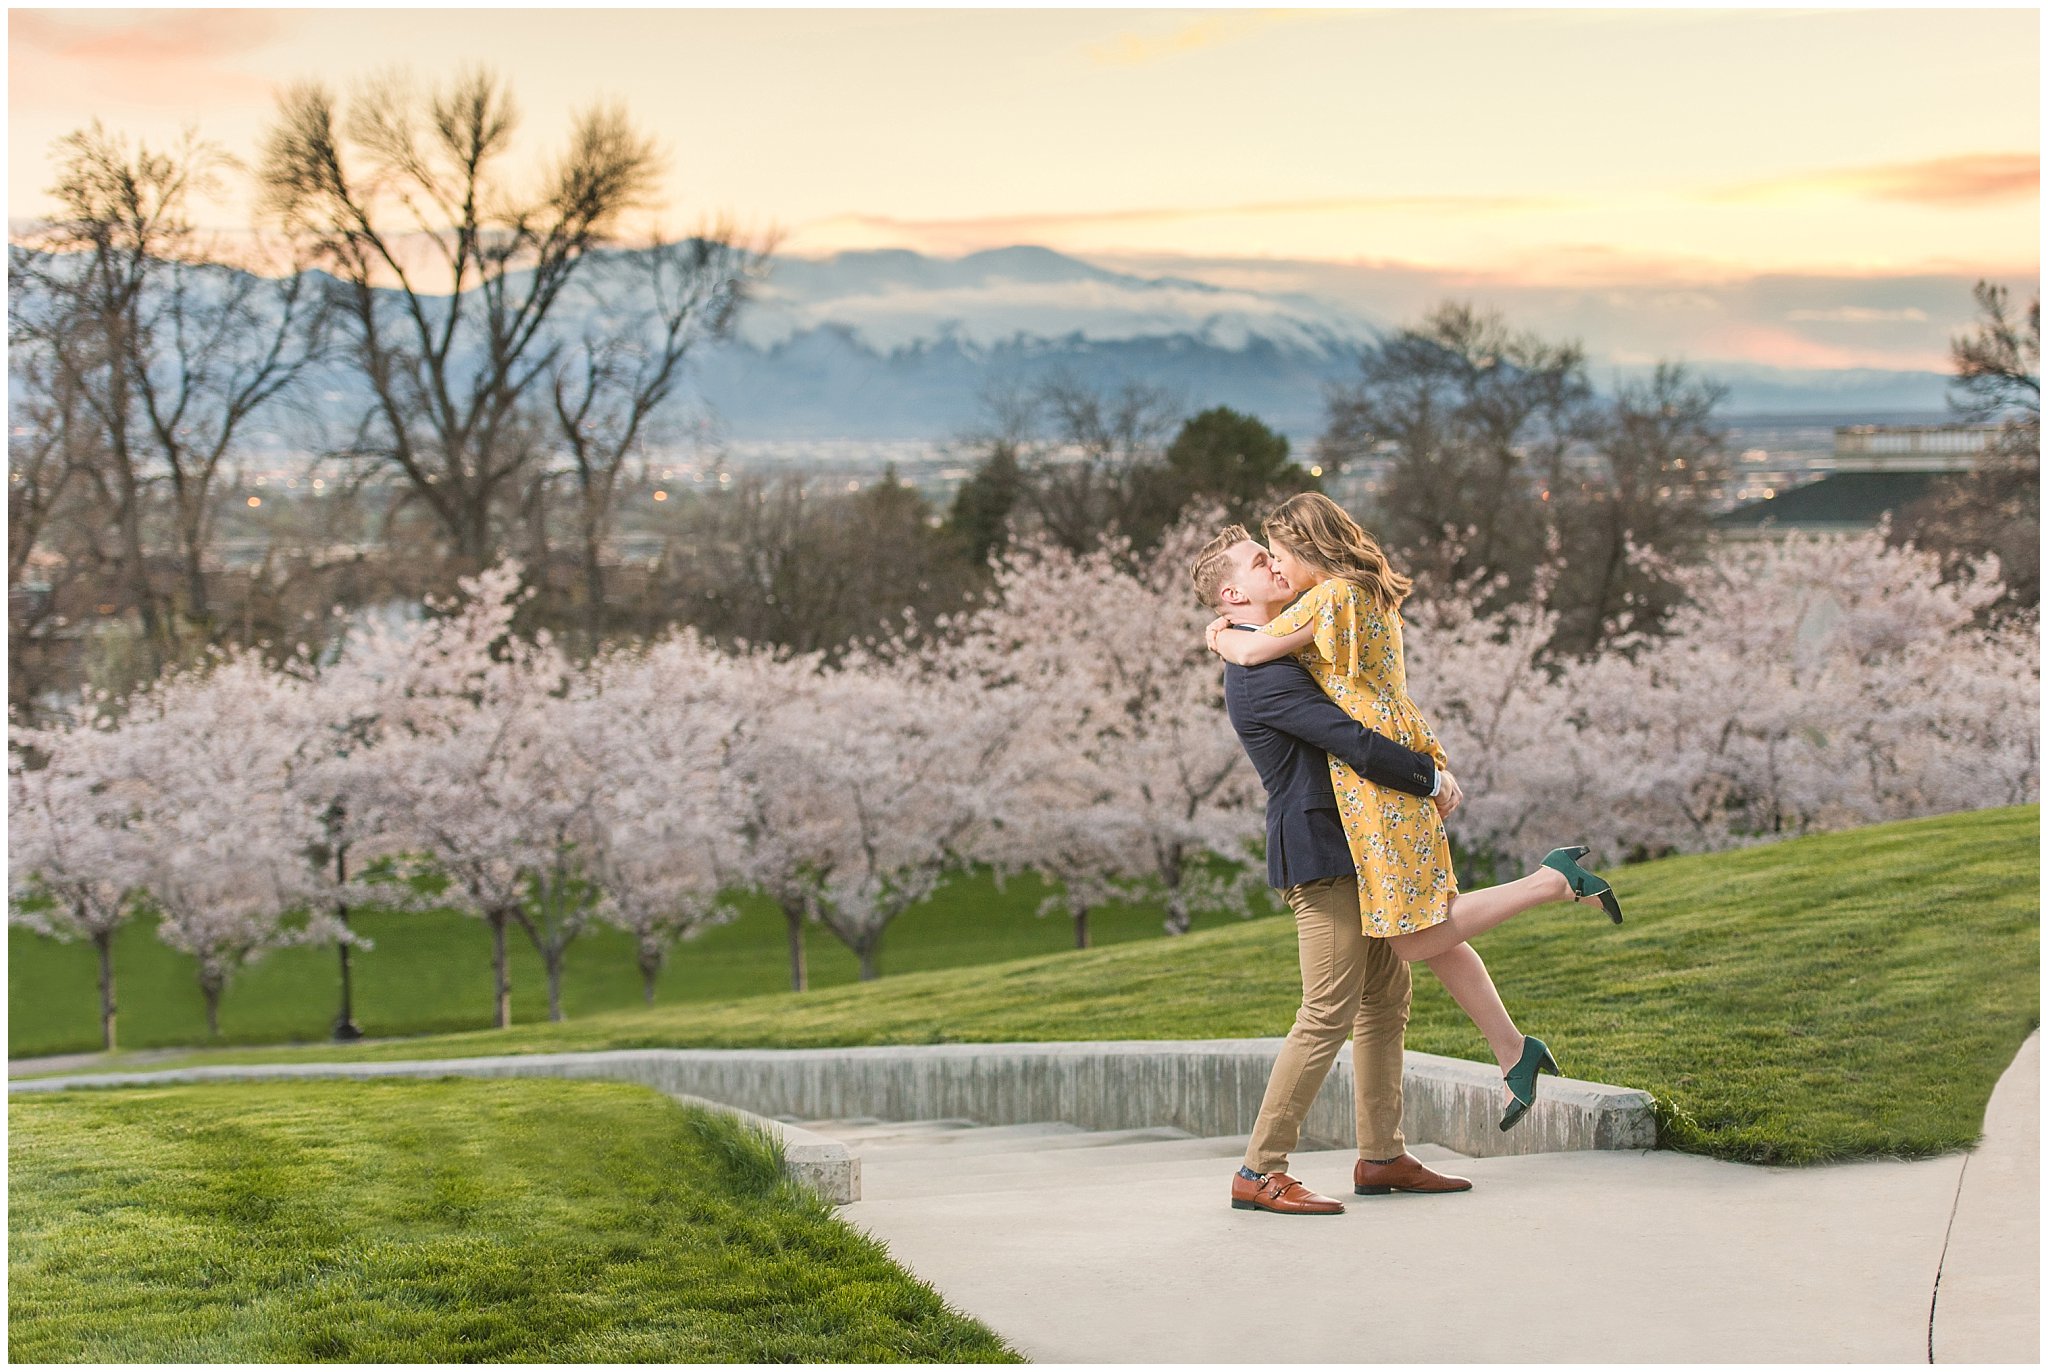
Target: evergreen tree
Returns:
[[1237, 459], [982, 506]]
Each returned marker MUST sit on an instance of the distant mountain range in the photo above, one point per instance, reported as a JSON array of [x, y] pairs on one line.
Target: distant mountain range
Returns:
[[893, 345], [896, 345]]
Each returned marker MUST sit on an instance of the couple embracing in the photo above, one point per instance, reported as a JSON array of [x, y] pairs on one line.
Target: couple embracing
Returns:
[[1357, 789]]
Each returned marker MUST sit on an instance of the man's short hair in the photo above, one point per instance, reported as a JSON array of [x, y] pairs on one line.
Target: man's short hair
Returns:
[[1212, 565]]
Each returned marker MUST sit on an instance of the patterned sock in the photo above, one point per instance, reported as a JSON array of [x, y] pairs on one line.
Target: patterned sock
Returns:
[[1250, 1175]]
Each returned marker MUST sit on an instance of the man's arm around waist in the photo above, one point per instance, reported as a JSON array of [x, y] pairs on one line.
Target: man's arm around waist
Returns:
[[1283, 696]]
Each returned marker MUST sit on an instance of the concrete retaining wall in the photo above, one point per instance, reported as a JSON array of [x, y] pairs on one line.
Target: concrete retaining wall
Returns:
[[1207, 1087]]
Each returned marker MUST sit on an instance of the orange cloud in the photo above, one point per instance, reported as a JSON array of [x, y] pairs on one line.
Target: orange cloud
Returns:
[[148, 36], [1137, 50], [1007, 227], [1784, 348], [1965, 180], [143, 55]]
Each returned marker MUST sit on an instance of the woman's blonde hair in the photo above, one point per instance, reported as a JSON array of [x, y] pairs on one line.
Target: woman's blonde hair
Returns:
[[1315, 529]]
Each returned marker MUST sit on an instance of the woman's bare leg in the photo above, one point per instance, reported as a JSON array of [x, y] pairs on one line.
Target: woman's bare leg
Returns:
[[1474, 912], [1446, 949], [1465, 977]]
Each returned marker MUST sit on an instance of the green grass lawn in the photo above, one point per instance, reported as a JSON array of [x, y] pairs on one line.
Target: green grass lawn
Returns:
[[1846, 995], [431, 973], [448, 1221]]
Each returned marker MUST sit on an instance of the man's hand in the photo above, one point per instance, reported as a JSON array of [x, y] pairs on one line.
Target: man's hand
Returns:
[[1211, 634], [1448, 797]]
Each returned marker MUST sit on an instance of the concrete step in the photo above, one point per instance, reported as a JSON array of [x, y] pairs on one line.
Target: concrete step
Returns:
[[1064, 1138], [953, 1140], [968, 1163], [865, 1130]]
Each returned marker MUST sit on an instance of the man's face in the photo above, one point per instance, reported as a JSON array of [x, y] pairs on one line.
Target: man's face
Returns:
[[1252, 576]]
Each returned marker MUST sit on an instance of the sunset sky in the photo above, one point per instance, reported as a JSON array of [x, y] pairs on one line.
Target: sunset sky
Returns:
[[1539, 150]]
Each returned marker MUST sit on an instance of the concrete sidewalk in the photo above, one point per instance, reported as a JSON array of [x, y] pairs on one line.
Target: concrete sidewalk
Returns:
[[1987, 1308], [1132, 1254], [1114, 1241]]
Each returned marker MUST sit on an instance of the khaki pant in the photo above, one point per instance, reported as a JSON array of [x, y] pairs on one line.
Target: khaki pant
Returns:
[[1350, 984]]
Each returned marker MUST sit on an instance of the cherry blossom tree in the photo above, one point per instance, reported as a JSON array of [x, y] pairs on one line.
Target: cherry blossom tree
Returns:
[[492, 794], [901, 780], [1084, 848], [1502, 712], [223, 842], [1805, 685], [859, 788], [762, 785], [336, 773], [72, 850], [1823, 682], [658, 728], [474, 768], [1122, 765]]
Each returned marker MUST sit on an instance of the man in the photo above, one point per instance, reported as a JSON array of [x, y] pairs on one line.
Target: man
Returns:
[[1350, 984]]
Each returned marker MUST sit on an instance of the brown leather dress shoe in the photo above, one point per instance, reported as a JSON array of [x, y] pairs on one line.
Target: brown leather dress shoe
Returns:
[[1281, 1194], [1405, 1173]]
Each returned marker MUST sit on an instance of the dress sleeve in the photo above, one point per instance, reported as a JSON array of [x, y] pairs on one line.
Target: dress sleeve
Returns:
[[1332, 608]]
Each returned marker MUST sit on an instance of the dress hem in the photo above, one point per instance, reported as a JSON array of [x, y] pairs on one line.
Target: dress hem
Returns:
[[1366, 922]]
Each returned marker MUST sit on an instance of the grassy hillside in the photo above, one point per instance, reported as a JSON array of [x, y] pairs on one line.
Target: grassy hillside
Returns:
[[436, 1222], [1844, 995], [431, 973]]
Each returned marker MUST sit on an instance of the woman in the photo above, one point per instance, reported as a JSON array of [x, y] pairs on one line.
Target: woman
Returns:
[[1346, 629]]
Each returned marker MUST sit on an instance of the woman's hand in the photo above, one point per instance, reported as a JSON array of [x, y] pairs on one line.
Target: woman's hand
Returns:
[[1449, 796], [1213, 634]]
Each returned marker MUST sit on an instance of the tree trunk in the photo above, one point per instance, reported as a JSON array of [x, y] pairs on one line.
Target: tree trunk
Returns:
[[1081, 928], [535, 514], [195, 580], [502, 968], [555, 965], [210, 988], [472, 520], [1177, 919], [104, 942], [132, 555], [795, 917], [593, 568], [868, 950], [649, 969]]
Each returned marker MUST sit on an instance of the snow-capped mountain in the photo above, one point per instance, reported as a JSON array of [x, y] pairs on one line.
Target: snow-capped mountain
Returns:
[[894, 345], [892, 300]]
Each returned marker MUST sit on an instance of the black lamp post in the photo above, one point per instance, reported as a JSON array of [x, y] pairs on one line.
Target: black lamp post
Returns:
[[345, 1030]]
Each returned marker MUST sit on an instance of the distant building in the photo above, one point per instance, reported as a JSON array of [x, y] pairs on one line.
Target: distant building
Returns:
[[1876, 470]]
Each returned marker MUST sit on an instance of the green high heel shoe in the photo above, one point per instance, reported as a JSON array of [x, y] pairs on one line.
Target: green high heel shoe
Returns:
[[1521, 1079], [1583, 882]]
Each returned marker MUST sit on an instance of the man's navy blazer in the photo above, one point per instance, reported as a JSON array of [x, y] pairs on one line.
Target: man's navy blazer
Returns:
[[1291, 730]]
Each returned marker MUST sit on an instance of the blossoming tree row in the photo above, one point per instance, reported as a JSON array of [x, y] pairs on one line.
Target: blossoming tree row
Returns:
[[1073, 727]]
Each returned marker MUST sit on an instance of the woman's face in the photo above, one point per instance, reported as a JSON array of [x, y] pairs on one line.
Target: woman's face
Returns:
[[1295, 574]]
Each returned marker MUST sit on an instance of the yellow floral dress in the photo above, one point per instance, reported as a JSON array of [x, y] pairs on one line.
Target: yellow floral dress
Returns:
[[1405, 881]]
